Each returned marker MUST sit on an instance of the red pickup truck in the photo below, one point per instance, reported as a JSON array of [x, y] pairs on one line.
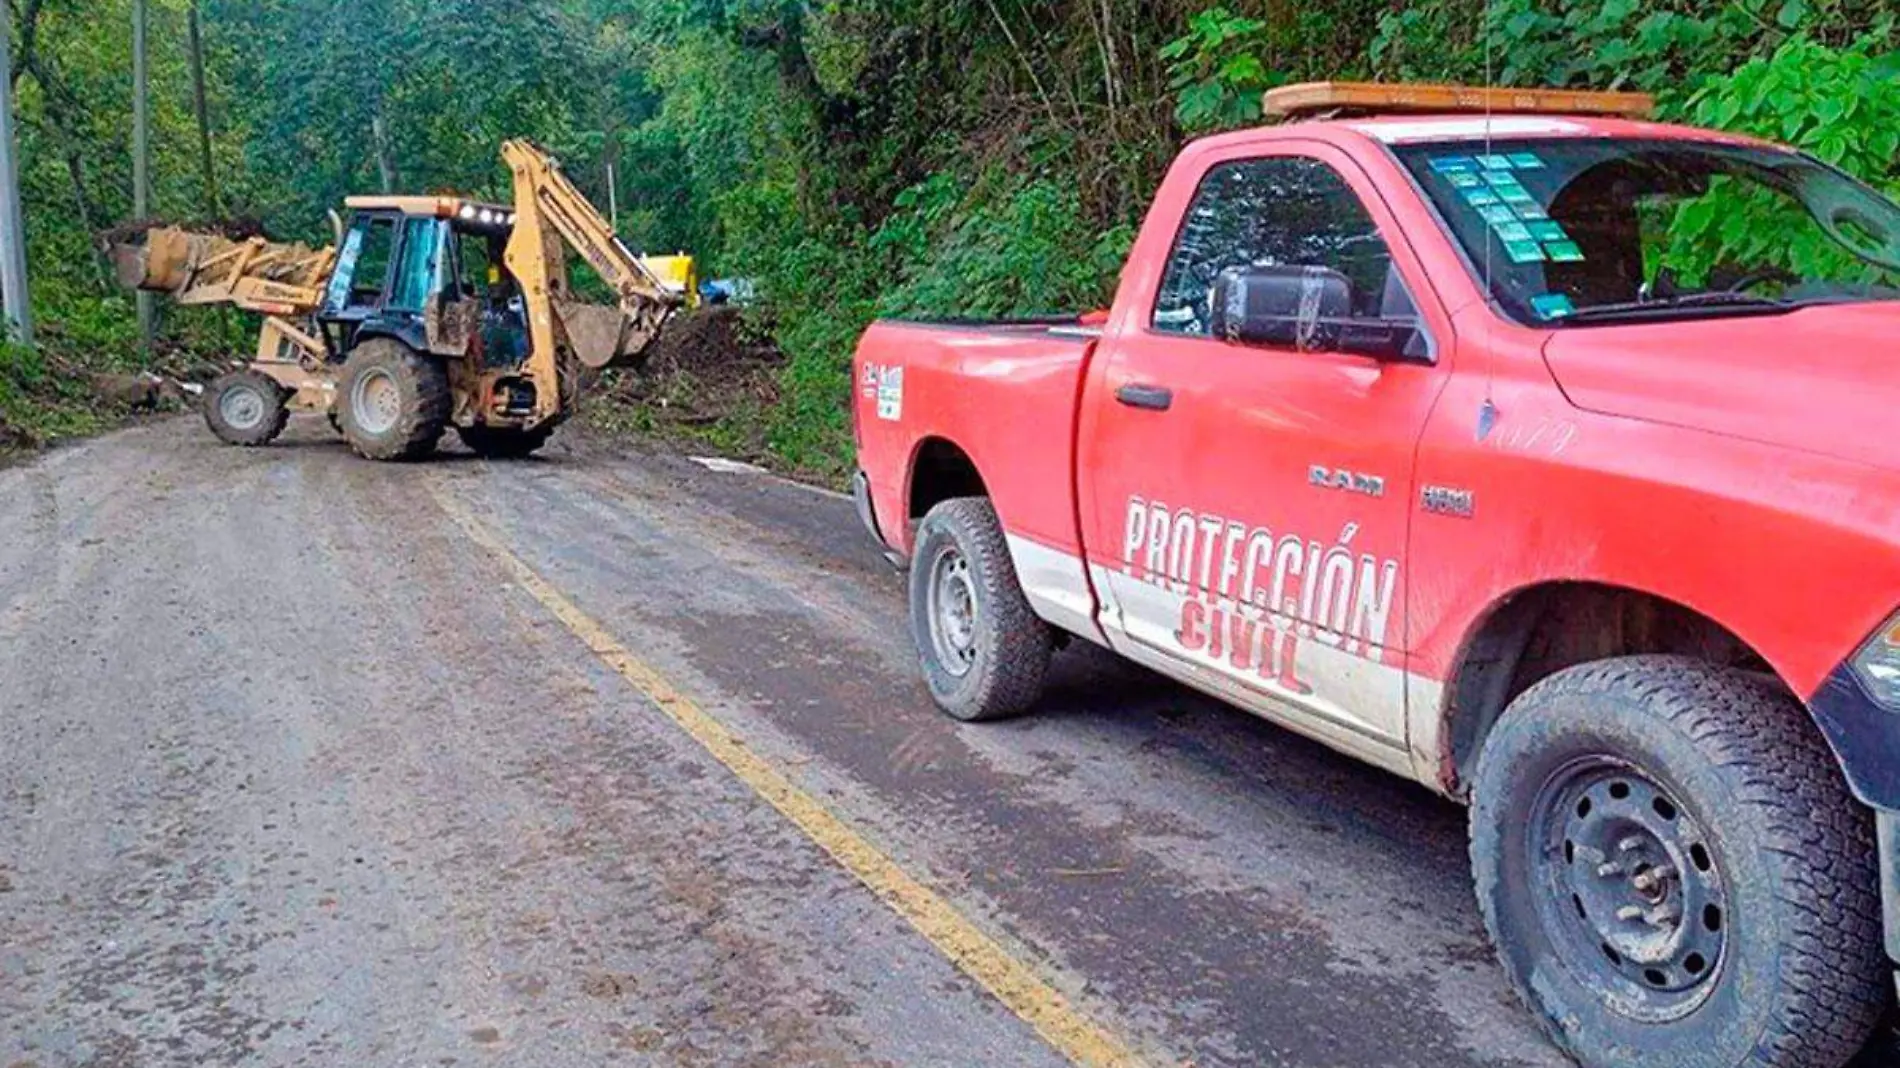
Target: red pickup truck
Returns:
[[1543, 455]]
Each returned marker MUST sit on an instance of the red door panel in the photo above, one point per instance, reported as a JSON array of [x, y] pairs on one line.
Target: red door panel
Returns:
[[1254, 531]]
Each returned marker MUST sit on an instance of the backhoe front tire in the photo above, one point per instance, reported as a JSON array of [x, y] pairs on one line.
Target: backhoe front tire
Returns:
[[246, 408], [1674, 872], [394, 401], [503, 443], [984, 651]]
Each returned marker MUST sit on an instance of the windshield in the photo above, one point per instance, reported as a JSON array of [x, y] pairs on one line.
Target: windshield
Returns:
[[1589, 231]]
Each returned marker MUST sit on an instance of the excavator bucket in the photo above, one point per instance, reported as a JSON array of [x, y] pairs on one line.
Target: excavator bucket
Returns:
[[602, 336]]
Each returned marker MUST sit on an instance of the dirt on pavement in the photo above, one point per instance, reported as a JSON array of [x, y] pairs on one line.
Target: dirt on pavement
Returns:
[[292, 771]]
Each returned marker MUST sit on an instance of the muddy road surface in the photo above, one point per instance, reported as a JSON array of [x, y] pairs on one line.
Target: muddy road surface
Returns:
[[611, 758]]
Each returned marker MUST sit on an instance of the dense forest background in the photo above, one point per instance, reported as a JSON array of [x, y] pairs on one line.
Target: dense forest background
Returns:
[[853, 157]]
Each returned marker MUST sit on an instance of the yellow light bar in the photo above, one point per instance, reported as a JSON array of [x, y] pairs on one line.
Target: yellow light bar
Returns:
[[1312, 98]]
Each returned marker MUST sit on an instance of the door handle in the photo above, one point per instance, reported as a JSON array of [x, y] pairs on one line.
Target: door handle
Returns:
[[1152, 398]]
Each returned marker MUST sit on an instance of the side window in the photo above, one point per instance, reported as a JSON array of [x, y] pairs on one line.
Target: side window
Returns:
[[1281, 212], [421, 260], [372, 263]]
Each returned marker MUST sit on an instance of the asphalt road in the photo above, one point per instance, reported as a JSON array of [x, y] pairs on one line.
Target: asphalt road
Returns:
[[306, 760]]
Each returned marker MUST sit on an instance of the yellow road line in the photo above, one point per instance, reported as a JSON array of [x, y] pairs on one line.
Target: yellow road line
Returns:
[[979, 956]]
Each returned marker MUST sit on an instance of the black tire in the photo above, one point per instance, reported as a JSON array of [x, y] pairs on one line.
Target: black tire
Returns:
[[504, 443], [246, 408], [1776, 960], [999, 671], [393, 401]]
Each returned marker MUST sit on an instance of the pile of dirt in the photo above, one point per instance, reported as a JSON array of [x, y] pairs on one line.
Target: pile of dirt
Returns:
[[710, 342], [711, 376]]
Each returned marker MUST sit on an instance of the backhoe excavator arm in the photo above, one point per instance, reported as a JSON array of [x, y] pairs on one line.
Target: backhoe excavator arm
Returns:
[[552, 216]]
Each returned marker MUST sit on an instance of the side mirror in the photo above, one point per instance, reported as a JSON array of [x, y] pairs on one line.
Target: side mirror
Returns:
[[1308, 309]]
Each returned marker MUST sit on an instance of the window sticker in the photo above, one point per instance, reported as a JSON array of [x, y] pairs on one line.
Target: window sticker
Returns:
[[1496, 163], [890, 393], [1530, 211], [1514, 231], [1501, 180], [1527, 161], [1497, 214], [1547, 231], [1480, 198], [1553, 305], [1464, 179], [1564, 252], [1526, 251], [1447, 164], [1516, 194]]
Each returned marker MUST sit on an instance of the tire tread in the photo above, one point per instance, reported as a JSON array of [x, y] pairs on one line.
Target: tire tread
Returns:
[[1021, 644], [1833, 969]]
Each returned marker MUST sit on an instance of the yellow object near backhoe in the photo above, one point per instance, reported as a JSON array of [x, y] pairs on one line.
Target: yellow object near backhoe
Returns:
[[429, 312]]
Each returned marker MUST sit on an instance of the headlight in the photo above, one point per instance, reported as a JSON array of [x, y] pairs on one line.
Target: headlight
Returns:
[[1878, 665], [468, 212]]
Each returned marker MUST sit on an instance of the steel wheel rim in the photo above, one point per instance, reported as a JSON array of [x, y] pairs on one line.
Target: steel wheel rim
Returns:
[[376, 401], [952, 608], [242, 408], [1629, 887]]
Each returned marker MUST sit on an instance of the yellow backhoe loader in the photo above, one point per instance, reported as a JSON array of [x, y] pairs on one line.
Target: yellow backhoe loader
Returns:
[[429, 312]]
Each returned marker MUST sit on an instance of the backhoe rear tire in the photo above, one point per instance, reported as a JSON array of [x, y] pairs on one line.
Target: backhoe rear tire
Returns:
[[246, 408], [503, 443], [394, 401]]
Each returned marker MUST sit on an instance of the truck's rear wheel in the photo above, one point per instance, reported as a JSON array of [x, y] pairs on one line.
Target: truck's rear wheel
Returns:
[[1674, 872], [246, 408], [394, 402], [984, 651], [503, 443]]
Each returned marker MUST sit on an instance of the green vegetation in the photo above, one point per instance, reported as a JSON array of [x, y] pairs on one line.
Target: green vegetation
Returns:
[[853, 157]]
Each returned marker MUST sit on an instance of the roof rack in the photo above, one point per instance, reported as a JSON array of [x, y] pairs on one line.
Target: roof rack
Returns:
[[1314, 99]]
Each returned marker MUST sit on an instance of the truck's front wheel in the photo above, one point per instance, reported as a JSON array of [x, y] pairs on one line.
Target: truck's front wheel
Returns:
[[1675, 873], [984, 650]]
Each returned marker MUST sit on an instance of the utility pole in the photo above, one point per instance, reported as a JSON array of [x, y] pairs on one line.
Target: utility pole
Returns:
[[13, 291], [202, 107], [613, 197], [142, 158]]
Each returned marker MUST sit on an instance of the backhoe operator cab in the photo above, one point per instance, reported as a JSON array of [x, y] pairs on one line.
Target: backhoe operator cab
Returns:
[[429, 273], [421, 278]]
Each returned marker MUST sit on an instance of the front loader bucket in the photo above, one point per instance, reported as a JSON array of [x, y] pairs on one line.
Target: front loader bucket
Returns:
[[603, 336], [162, 263], [204, 268]]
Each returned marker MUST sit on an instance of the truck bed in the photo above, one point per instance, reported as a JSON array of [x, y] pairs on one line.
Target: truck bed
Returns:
[[1005, 391]]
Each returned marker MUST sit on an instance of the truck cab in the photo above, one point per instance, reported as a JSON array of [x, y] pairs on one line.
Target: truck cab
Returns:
[[1475, 433]]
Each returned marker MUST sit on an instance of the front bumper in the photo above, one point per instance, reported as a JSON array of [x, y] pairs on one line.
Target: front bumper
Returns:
[[1887, 828], [1864, 736], [1866, 741]]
